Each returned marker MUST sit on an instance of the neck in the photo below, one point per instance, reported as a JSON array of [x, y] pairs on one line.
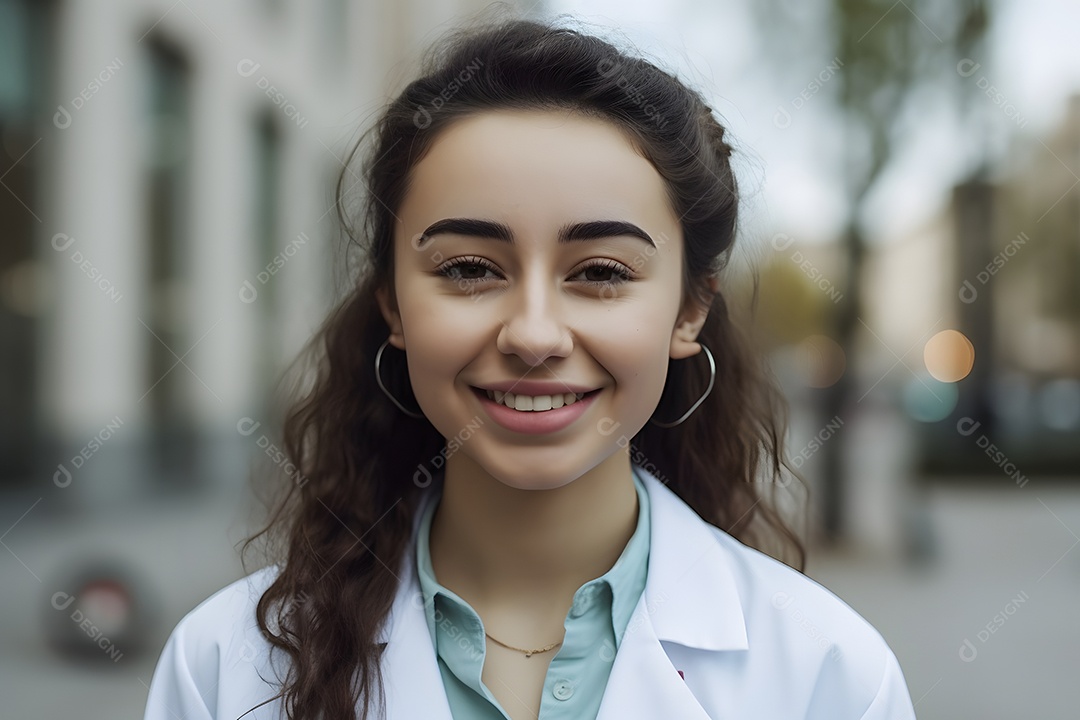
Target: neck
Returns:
[[496, 545]]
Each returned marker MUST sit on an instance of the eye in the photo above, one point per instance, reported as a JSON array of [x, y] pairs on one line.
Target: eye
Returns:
[[614, 268], [461, 270], [452, 269]]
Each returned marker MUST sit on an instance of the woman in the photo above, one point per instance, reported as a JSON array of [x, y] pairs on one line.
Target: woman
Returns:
[[534, 504]]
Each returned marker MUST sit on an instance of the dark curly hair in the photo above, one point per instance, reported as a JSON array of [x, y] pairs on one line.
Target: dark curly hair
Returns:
[[354, 451]]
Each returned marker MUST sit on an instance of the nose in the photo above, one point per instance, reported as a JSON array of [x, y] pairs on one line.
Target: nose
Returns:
[[534, 328]]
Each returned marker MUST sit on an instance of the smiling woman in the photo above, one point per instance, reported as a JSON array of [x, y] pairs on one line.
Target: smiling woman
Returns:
[[545, 500]]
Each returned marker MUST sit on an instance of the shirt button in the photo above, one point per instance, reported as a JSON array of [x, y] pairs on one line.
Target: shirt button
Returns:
[[563, 690]]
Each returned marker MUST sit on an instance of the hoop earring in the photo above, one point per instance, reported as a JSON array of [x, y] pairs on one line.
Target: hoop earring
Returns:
[[378, 378], [712, 379]]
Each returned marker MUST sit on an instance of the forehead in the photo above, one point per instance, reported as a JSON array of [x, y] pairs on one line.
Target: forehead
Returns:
[[533, 166]]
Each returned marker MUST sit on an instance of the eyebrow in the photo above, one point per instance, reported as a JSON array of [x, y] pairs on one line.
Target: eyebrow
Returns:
[[571, 232]]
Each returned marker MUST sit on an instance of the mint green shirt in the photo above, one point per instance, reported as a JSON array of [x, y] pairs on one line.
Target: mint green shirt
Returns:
[[595, 625]]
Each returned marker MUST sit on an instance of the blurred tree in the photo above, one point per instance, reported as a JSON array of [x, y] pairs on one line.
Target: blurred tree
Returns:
[[891, 52], [790, 306]]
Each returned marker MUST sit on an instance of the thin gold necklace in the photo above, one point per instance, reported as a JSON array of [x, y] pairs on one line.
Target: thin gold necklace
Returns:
[[528, 653]]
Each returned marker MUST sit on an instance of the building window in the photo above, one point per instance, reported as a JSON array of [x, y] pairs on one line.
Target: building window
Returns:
[[267, 226], [168, 182]]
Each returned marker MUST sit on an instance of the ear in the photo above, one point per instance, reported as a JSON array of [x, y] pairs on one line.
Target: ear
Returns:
[[689, 324], [391, 316]]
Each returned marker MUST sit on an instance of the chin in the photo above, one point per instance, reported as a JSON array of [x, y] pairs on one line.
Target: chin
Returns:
[[526, 479], [533, 484]]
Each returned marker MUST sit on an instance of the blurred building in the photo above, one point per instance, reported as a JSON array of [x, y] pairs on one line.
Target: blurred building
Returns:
[[999, 264], [170, 237]]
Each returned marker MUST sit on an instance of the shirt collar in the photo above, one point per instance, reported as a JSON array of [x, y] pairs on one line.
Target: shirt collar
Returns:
[[628, 575], [691, 593]]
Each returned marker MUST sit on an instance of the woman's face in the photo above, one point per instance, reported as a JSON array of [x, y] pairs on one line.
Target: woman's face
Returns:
[[599, 311]]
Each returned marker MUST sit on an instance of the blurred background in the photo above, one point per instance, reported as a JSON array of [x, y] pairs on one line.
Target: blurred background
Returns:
[[911, 180]]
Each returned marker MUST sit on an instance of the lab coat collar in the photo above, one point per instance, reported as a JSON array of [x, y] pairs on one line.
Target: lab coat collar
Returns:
[[690, 599], [690, 594]]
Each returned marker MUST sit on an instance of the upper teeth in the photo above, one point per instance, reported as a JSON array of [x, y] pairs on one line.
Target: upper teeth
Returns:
[[534, 402]]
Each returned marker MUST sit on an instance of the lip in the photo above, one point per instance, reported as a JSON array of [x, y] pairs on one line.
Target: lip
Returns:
[[538, 422]]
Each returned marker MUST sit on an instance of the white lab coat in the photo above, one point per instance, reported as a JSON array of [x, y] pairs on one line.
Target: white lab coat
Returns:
[[721, 631]]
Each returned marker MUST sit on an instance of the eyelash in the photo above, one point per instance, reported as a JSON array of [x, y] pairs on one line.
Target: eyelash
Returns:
[[618, 268]]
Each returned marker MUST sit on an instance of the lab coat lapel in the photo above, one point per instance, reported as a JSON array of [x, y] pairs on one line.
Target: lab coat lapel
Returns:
[[690, 599], [413, 681], [643, 682]]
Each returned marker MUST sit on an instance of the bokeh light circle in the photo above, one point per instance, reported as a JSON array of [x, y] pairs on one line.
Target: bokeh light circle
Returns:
[[949, 356], [927, 399]]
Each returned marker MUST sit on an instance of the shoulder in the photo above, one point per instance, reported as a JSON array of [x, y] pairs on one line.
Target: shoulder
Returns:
[[768, 585], [212, 659], [818, 639], [222, 622]]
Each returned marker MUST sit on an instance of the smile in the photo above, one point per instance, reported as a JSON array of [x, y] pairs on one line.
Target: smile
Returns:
[[535, 414]]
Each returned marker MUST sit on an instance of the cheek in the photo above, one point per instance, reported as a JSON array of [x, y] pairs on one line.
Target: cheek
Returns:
[[442, 336], [632, 345]]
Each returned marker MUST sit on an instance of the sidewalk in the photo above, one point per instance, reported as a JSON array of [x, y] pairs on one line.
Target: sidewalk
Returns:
[[1006, 579]]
